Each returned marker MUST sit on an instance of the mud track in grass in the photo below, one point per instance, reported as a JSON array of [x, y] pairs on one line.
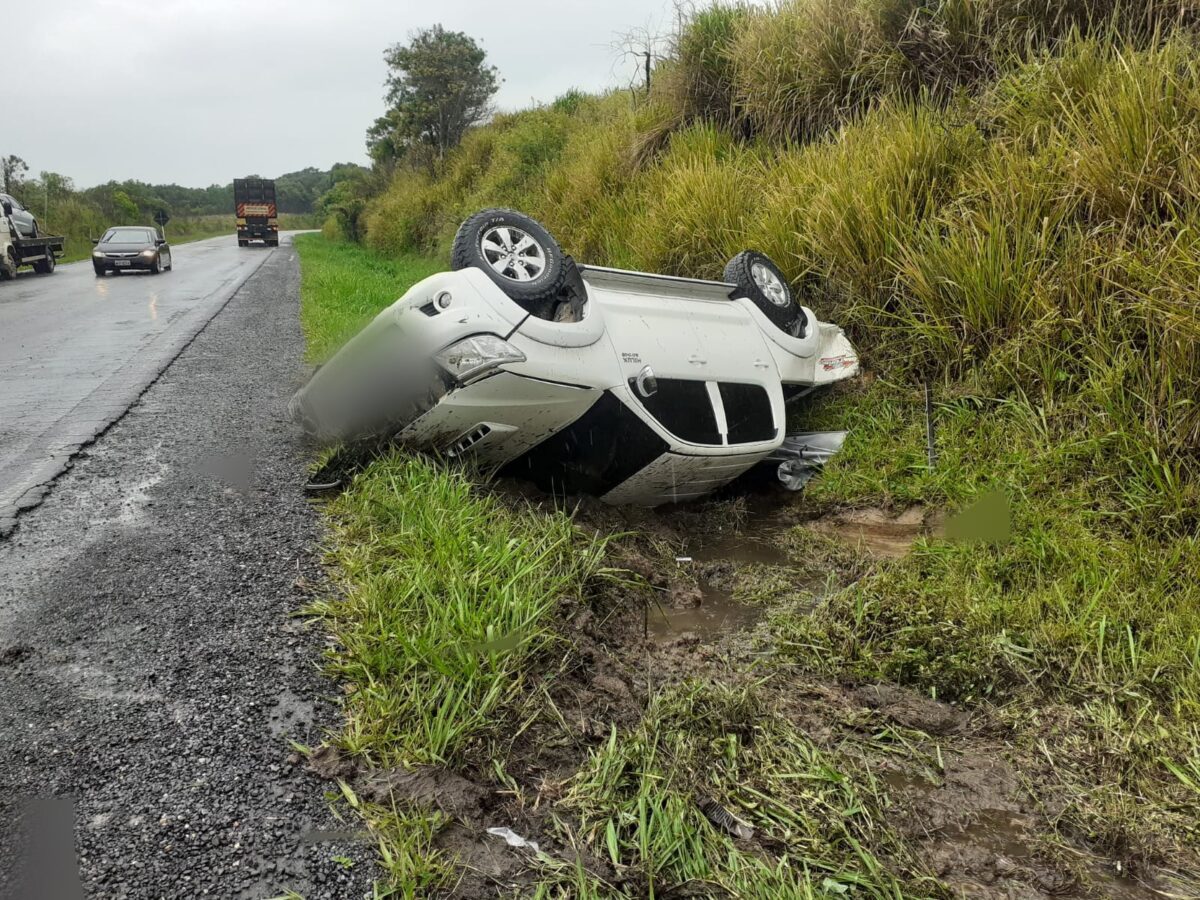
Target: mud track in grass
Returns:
[[703, 585]]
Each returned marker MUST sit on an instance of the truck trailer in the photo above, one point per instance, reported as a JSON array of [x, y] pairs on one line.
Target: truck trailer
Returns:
[[254, 200]]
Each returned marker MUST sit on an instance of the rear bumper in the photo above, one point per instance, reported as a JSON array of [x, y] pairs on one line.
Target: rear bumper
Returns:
[[257, 231]]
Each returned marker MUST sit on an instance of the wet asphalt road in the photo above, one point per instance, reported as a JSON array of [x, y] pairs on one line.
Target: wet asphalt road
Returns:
[[150, 672], [76, 350]]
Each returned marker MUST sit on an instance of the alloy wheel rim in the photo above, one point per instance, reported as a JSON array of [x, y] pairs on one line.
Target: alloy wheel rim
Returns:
[[512, 253], [769, 283]]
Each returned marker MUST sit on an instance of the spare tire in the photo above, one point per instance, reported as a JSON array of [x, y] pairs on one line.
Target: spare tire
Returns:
[[767, 287], [516, 252]]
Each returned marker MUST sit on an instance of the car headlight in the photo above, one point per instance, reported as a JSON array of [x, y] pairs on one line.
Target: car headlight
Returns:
[[148, 253], [473, 357], [98, 254]]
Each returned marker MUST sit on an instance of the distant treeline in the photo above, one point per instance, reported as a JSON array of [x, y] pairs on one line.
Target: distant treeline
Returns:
[[81, 214], [296, 192]]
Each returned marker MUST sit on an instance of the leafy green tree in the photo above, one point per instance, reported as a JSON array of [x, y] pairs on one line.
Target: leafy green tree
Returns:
[[56, 183], [438, 86], [12, 167], [127, 210]]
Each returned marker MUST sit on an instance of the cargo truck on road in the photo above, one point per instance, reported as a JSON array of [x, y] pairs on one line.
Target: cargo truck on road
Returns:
[[257, 218], [39, 251]]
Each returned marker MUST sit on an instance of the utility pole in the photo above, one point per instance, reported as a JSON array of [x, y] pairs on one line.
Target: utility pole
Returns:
[[647, 55]]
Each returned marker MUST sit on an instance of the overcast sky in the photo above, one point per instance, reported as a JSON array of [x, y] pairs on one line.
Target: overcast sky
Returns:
[[199, 91]]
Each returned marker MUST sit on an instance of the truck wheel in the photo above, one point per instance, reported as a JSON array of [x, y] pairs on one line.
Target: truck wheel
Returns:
[[45, 266], [8, 265], [513, 250], [760, 280]]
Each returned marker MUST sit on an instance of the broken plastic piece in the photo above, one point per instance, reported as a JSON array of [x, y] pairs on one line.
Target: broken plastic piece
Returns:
[[723, 818], [802, 455], [514, 840]]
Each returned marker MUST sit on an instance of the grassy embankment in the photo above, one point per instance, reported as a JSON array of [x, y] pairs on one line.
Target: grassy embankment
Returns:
[[451, 619], [990, 202]]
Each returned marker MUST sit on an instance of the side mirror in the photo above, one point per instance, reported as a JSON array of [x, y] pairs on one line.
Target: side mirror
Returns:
[[159, 241], [95, 241], [7, 208]]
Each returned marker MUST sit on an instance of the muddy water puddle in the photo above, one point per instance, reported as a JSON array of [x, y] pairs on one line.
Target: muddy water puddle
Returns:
[[722, 567], [709, 610], [717, 615], [877, 532]]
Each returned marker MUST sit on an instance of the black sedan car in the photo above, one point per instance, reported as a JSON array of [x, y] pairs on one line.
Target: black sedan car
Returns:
[[131, 247]]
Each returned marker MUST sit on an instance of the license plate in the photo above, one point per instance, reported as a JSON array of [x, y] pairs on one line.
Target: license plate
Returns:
[[121, 262]]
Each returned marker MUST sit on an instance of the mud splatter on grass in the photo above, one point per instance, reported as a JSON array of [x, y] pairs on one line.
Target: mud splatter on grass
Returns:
[[659, 686]]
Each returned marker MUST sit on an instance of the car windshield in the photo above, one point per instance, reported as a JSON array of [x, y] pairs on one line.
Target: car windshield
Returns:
[[128, 236]]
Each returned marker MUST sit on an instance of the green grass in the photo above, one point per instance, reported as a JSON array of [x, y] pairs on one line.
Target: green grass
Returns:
[[1080, 608], [446, 595], [447, 635], [343, 286], [636, 801], [1000, 198]]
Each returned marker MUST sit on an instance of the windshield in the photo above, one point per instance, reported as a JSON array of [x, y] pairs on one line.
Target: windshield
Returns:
[[128, 236]]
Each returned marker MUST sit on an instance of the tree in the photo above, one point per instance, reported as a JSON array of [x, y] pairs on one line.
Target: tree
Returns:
[[56, 184], [12, 167], [127, 209], [438, 86]]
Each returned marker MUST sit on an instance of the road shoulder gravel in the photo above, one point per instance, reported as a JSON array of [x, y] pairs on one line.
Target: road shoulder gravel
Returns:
[[151, 670]]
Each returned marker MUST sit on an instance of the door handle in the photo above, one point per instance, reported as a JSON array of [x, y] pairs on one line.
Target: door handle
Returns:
[[697, 361]]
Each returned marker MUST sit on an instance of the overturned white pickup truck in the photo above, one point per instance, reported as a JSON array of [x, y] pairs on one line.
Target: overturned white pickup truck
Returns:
[[638, 388]]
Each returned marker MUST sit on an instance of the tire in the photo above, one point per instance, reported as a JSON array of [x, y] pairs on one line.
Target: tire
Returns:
[[155, 268], [33, 232], [487, 241], [8, 266], [242, 243], [45, 266], [760, 280], [99, 270]]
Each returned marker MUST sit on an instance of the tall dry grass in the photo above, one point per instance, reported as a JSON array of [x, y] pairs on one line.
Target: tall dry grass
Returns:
[[1059, 197]]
